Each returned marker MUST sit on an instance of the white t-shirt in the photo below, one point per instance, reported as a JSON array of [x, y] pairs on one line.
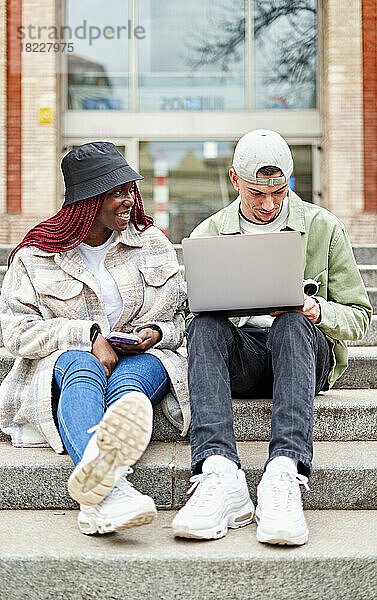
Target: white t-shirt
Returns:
[[276, 225], [94, 258], [250, 228]]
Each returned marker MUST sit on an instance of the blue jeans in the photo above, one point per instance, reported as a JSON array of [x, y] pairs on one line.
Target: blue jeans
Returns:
[[289, 362], [85, 393]]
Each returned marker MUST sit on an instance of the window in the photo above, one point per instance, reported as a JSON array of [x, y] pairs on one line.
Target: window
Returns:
[[285, 54], [98, 69], [174, 70], [302, 177], [202, 55]]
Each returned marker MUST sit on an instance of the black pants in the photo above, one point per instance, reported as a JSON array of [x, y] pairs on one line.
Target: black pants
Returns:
[[290, 362]]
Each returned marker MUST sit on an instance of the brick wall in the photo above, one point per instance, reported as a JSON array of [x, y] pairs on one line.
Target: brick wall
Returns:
[[342, 181], [342, 109], [13, 113], [369, 22], [39, 140], [14, 227], [3, 91], [362, 228]]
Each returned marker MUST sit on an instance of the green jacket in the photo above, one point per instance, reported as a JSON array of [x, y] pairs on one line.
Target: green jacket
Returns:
[[346, 312]]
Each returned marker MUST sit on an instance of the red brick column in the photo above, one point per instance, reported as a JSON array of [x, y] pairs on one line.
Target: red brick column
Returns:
[[369, 25], [14, 120]]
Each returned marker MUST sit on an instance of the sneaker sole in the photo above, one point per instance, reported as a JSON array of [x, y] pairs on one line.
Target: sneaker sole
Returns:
[[280, 538], [122, 437], [207, 534], [112, 526], [234, 521]]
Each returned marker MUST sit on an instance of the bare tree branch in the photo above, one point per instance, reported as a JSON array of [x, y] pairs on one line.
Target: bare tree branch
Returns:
[[296, 53], [268, 11]]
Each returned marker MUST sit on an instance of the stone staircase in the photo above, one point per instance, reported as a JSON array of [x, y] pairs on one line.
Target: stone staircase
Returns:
[[42, 554]]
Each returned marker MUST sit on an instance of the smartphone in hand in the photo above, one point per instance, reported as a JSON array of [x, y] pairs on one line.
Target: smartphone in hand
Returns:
[[118, 337]]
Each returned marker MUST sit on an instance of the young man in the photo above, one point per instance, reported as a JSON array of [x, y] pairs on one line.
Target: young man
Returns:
[[294, 355]]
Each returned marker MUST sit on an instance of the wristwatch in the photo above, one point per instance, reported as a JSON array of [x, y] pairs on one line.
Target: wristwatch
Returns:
[[95, 330]]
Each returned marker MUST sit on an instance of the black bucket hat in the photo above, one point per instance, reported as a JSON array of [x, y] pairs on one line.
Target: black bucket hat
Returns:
[[93, 169]]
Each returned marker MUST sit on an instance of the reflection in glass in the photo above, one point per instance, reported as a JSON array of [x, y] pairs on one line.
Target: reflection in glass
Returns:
[[198, 184], [197, 180], [193, 55], [98, 67], [175, 72], [285, 54]]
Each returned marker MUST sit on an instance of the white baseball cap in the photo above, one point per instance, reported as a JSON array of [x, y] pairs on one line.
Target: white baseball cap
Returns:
[[262, 148]]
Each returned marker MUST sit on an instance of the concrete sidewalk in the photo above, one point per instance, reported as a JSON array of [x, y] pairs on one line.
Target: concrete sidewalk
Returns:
[[45, 557]]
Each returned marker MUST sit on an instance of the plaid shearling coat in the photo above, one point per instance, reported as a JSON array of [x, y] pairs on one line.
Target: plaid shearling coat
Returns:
[[48, 304]]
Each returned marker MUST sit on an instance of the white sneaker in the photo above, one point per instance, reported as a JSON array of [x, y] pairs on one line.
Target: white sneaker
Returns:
[[119, 440], [279, 511], [123, 508], [221, 500]]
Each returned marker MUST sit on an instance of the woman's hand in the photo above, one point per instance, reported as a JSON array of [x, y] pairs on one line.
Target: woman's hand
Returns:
[[310, 309], [147, 338], [105, 354]]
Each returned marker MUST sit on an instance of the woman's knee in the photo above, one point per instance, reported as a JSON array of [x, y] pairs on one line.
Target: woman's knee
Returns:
[[143, 373], [77, 360]]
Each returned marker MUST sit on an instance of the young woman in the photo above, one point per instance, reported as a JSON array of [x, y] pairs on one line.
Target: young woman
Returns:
[[97, 266]]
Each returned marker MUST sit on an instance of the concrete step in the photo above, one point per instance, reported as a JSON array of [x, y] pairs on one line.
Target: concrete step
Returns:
[[148, 563], [344, 475], [362, 369], [369, 275], [339, 415], [36, 478], [361, 373], [365, 254]]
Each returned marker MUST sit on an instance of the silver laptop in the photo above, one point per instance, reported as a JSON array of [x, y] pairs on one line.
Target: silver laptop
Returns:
[[242, 275]]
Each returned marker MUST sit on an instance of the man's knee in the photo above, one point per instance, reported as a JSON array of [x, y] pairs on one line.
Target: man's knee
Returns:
[[291, 319], [290, 323], [207, 324]]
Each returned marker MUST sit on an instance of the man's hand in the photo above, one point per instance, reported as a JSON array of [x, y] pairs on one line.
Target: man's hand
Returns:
[[147, 338], [311, 309], [105, 354]]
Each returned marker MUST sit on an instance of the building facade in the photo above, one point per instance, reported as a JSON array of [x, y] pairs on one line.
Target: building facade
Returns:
[[174, 85]]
